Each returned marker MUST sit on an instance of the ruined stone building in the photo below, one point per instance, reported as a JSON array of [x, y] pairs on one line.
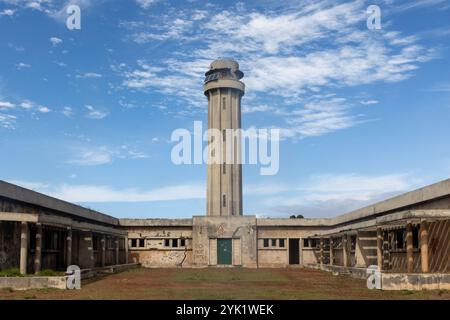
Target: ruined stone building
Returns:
[[407, 237]]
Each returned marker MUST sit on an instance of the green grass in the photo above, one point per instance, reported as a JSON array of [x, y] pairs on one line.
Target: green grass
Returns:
[[12, 272], [50, 273]]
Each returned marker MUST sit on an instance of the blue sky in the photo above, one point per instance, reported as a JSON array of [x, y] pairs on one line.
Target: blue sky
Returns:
[[86, 115]]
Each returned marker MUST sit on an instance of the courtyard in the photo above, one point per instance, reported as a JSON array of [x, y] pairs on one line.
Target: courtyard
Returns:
[[223, 284]]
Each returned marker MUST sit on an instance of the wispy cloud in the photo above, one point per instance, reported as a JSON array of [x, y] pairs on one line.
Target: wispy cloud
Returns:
[[94, 156], [146, 3], [55, 41], [89, 75], [95, 113], [67, 111], [22, 65], [99, 193], [7, 12], [332, 194], [7, 121], [289, 54], [6, 105]]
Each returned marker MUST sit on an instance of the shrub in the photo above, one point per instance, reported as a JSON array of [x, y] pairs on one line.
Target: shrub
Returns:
[[50, 273], [12, 272]]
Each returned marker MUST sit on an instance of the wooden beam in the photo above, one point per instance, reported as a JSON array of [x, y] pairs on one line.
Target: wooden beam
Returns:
[[409, 248], [24, 232], [380, 249], [321, 252], [331, 251], [38, 251], [424, 246], [19, 217], [345, 251]]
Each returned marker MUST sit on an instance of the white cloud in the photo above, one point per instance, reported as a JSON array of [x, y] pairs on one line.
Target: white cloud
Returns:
[[369, 102], [7, 12], [93, 157], [55, 41], [89, 75], [60, 64], [6, 105], [7, 121], [43, 109], [289, 54], [94, 113], [332, 194], [26, 104], [67, 111], [146, 3], [22, 65], [257, 108], [98, 193]]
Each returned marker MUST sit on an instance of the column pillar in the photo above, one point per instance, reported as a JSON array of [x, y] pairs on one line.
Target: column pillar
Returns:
[[409, 248], [126, 249], [38, 249], [379, 249], [321, 252], [103, 243], [424, 247], [331, 252], [116, 242], [345, 250], [69, 246], [23, 247]]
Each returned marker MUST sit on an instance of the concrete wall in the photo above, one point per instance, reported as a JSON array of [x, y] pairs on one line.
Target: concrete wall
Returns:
[[206, 230], [154, 253]]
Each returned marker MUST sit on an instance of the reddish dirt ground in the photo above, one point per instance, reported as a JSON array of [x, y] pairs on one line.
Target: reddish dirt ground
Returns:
[[227, 284]]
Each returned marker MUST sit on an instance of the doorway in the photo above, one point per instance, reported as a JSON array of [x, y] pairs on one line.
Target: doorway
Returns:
[[294, 251], [224, 251]]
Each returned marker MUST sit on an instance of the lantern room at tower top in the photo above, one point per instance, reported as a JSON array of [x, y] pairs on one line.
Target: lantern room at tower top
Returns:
[[224, 73]]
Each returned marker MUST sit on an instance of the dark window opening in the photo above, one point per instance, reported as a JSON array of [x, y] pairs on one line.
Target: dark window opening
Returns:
[[224, 201], [400, 239], [415, 232], [266, 243], [223, 103], [141, 243], [182, 243], [274, 242], [281, 242], [95, 243], [133, 243], [174, 243], [305, 243], [166, 243], [224, 169]]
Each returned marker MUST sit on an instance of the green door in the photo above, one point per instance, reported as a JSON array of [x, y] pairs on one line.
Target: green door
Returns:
[[224, 251]]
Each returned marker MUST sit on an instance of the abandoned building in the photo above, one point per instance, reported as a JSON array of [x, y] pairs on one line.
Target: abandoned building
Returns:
[[407, 237]]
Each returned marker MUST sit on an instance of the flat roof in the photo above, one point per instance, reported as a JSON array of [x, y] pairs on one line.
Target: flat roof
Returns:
[[14, 192], [155, 222]]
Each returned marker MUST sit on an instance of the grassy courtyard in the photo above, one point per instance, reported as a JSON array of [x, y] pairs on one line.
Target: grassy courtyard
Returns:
[[222, 284]]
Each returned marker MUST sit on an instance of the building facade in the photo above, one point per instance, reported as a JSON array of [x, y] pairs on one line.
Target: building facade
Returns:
[[406, 237]]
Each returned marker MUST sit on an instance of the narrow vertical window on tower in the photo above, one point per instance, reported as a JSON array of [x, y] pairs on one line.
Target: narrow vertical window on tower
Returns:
[[224, 201], [224, 134], [224, 103]]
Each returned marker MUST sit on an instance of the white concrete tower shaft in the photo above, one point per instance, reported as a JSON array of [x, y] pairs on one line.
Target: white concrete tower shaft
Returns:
[[224, 92]]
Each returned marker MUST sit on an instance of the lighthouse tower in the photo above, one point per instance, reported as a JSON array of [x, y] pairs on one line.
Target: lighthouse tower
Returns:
[[224, 180]]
